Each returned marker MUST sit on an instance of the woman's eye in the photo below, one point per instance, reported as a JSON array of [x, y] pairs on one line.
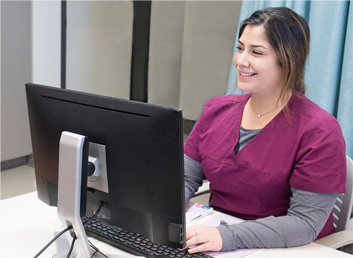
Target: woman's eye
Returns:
[[257, 53], [239, 48]]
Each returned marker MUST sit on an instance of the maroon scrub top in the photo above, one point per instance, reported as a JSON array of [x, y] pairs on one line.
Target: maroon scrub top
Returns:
[[303, 148]]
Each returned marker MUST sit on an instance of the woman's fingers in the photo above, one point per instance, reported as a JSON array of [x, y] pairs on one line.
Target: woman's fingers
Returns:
[[203, 238]]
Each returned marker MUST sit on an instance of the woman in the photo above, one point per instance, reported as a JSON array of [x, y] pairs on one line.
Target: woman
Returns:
[[273, 157]]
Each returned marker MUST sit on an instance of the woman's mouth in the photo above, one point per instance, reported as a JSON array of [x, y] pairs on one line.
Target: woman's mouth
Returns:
[[247, 74]]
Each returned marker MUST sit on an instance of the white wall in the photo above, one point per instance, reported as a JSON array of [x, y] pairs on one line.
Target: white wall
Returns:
[[209, 35], [99, 38], [46, 38], [15, 72], [191, 50], [30, 52], [166, 44]]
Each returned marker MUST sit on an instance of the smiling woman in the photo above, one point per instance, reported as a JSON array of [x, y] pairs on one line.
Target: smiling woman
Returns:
[[289, 36], [257, 65], [275, 46], [272, 156], [260, 72]]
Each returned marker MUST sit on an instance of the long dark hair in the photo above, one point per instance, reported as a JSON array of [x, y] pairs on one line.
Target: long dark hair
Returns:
[[289, 35]]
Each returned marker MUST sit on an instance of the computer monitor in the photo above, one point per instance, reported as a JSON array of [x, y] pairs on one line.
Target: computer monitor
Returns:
[[139, 145]]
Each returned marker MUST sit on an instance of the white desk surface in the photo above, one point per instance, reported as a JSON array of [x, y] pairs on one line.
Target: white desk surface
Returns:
[[27, 224]]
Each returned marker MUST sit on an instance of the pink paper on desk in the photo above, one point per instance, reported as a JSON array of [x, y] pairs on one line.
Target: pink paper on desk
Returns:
[[196, 212], [214, 219]]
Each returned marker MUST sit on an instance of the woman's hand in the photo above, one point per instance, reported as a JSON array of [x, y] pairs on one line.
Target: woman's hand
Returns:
[[203, 238]]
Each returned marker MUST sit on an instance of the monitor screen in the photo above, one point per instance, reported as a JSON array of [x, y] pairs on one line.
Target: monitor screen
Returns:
[[138, 145]]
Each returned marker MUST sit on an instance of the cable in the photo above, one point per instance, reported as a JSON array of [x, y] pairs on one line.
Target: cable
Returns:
[[69, 228], [96, 250], [52, 241], [92, 256], [72, 246], [91, 245], [94, 215]]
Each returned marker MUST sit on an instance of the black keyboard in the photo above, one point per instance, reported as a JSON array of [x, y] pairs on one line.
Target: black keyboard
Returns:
[[132, 242]]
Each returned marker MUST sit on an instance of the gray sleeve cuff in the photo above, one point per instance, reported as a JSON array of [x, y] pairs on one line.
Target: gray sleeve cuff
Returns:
[[227, 237]]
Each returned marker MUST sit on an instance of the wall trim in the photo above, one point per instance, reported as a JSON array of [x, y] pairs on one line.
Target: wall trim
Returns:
[[16, 162], [140, 50]]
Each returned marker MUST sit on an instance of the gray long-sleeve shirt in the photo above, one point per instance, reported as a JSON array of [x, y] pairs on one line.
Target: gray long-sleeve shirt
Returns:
[[307, 214]]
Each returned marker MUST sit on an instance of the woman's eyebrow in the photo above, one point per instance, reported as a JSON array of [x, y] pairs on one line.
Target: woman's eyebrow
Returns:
[[252, 46]]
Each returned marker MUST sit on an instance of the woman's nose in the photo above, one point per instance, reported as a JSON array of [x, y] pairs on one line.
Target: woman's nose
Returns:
[[241, 60]]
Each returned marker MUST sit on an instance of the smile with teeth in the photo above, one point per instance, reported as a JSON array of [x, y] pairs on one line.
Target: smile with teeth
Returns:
[[247, 74]]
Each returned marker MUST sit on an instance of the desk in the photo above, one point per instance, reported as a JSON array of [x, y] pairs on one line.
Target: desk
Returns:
[[27, 224]]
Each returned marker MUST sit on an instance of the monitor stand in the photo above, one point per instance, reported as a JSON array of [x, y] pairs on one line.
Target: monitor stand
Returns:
[[72, 187]]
